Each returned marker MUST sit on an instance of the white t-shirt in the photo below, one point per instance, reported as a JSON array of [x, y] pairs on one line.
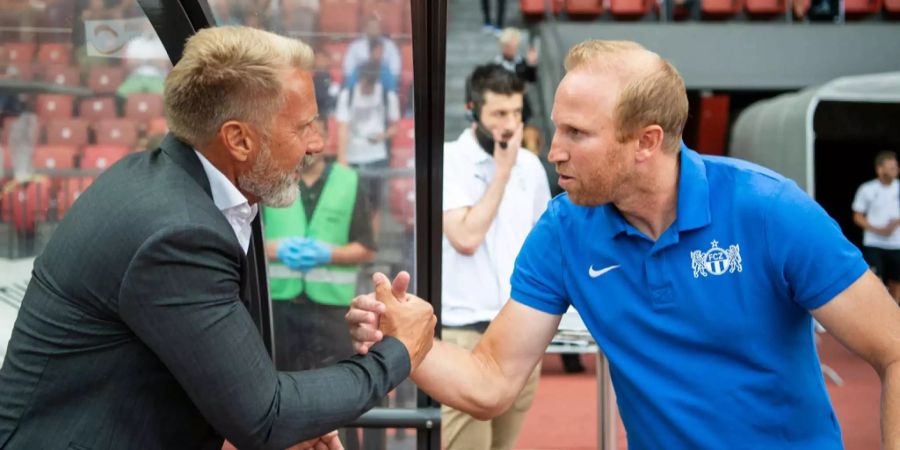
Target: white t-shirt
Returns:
[[476, 287], [365, 117], [880, 204]]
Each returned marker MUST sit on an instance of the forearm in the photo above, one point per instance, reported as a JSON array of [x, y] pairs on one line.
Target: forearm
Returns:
[[890, 407], [272, 249], [352, 253], [860, 221], [312, 403], [464, 380], [472, 229]]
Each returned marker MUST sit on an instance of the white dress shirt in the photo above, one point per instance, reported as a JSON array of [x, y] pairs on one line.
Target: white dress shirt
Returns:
[[230, 201]]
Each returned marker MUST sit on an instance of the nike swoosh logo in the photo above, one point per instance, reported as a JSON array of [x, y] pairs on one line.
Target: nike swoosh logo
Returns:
[[596, 273]]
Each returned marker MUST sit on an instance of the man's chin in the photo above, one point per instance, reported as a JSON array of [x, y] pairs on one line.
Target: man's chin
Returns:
[[283, 199]]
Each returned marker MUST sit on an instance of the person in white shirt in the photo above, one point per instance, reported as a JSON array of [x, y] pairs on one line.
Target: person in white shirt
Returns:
[[876, 209], [493, 196], [358, 50], [367, 116]]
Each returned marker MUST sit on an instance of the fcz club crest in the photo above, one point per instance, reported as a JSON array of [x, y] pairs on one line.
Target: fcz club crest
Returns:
[[716, 261]]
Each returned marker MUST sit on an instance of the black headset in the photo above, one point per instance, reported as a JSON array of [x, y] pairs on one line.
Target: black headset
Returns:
[[473, 105]]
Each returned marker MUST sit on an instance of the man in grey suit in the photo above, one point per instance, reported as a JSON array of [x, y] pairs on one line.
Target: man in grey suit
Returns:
[[132, 333]]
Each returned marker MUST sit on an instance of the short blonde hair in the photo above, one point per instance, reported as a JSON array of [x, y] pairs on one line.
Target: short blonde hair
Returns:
[[230, 73], [653, 94], [509, 35]]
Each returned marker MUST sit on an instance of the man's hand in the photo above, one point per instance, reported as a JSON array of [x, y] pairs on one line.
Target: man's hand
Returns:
[[506, 152], [531, 56], [410, 320], [365, 310], [329, 441]]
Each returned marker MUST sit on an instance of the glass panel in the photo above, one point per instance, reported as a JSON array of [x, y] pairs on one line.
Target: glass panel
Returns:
[[363, 78], [80, 87]]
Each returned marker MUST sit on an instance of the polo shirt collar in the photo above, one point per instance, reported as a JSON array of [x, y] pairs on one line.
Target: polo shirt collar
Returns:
[[693, 197], [693, 192]]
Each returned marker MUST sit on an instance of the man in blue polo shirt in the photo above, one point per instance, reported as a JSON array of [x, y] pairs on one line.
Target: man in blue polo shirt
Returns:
[[698, 277]]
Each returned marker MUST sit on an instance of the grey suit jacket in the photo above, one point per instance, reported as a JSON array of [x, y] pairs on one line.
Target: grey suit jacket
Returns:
[[132, 333]]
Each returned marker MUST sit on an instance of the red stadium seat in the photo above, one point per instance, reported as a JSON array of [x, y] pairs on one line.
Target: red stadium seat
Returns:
[[721, 7], [584, 7], [20, 52], [102, 156], [120, 132], [54, 157], [144, 107], [536, 7], [19, 71], [629, 8], [861, 7], [402, 200], [54, 106], [25, 204], [97, 108], [339, 16], [67, 132], [105, 79], [69, 191], [765, 7], [62, 75], [391, 13], [54, 53], [892, 6]]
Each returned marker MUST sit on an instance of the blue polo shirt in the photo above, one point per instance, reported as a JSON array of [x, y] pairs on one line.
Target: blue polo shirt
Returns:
[[707, 329]]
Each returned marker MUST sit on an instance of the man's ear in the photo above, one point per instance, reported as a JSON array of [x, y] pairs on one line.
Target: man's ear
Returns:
[[239, 139], [650, 142]]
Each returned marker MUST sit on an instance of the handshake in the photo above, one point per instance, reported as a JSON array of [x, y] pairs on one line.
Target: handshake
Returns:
[[303, 254], [390, 311]]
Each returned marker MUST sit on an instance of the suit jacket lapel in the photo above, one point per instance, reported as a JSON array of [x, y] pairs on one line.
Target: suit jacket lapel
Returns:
[[183, 155]]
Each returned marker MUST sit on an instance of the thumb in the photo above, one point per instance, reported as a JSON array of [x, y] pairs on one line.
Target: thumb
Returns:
[[400, 285], [383, 289]]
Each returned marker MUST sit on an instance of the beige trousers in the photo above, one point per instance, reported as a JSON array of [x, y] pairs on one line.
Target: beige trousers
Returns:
[[460, 431]]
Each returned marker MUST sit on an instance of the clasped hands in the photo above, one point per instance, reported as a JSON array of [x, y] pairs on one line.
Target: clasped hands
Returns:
[[391, 311], [303, 254]]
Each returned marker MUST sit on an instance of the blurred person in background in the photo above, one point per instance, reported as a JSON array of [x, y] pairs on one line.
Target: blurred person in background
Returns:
[[876, 209], [493, 195], [367, 116], [526, 69], [358, 52]]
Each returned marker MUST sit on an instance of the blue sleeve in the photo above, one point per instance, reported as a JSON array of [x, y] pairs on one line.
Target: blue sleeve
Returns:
[[810, 255], [537, 279]]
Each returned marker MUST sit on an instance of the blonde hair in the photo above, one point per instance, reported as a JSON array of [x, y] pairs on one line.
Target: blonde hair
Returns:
[[229, 73], [653, 94], [509, 35]]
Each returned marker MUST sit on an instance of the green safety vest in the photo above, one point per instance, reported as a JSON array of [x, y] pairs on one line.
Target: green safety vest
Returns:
[[328, 284]]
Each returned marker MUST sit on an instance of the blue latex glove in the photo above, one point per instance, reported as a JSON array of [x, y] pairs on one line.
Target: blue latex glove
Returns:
[[312, 254], [289, 252]]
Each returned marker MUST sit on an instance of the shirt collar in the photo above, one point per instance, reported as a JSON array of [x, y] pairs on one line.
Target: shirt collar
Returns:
[[693, 192], [224, 193], [693, 197]]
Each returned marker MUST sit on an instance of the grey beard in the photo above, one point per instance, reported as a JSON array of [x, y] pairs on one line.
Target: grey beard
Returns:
[[269, 184]]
